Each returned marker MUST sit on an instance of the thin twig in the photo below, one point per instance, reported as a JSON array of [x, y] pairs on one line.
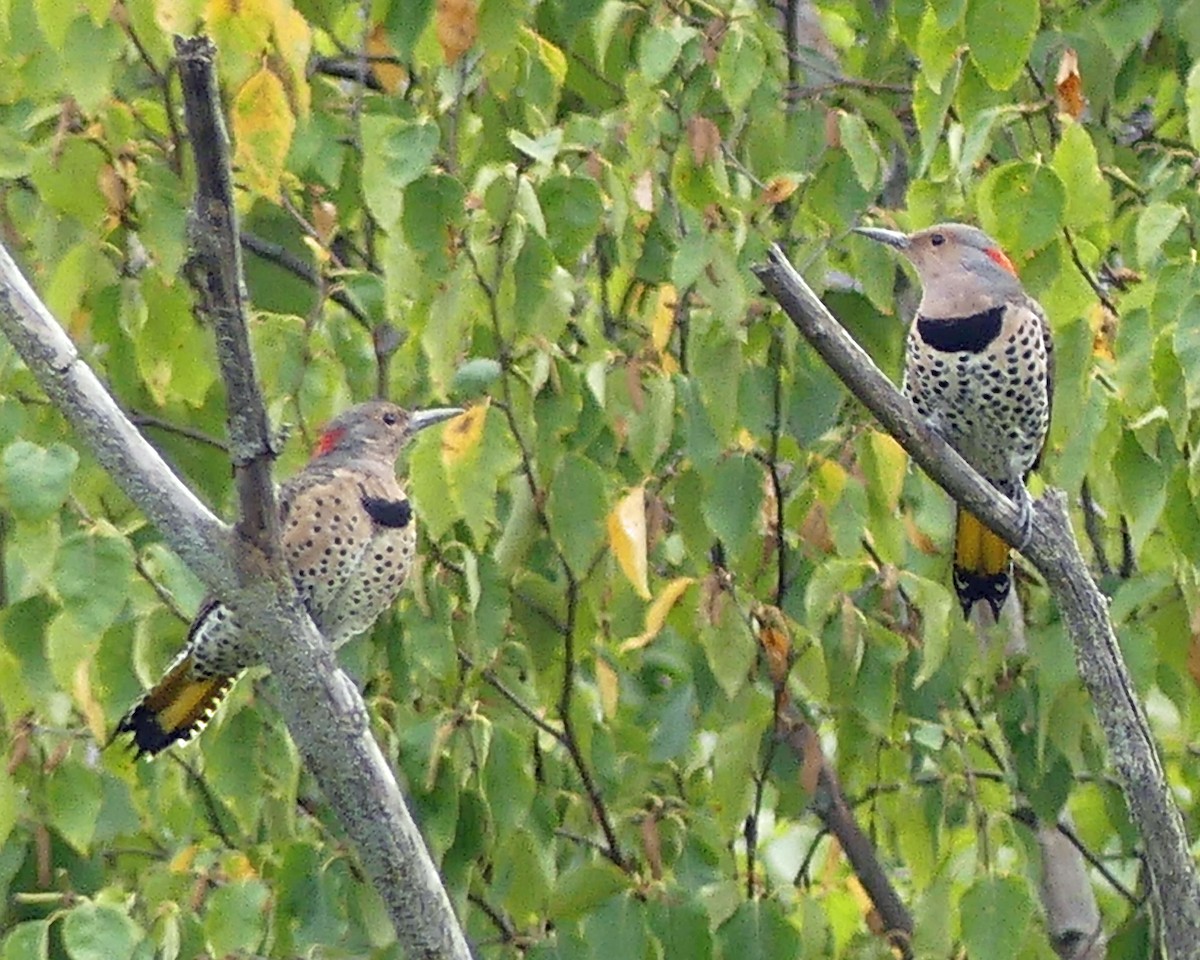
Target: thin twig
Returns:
[[284, 258], [210, 803], [1094, 283], [1091, 525], [149, 420]]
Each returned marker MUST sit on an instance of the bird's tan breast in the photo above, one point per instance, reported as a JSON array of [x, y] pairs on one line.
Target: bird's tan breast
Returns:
[[348, 567]]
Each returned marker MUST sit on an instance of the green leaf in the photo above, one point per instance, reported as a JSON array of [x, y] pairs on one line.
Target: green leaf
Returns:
[[405, 22], [617, 928], [474, 377], [658, 50], [1192, 100], [573, 207], [308, 899], [1001, 34], [577, 507], [543, 149], [758, 931], [995, 915], [1078, 166], [9, 801], [91, 574], [395, 153], [175, 354], [740, 66], [57, 175], [1141, 488], [433, 214], [582, 888], [36, 480], [859, 143], [681, 926], [74, 804], [733, 497], [89, 79], [1155, 225], [1022, 205], [508, 777], [235, 918], [98, 932], [28, 941]]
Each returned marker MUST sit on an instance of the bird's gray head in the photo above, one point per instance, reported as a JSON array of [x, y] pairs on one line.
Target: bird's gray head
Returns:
[[377, 429], [954, 260]]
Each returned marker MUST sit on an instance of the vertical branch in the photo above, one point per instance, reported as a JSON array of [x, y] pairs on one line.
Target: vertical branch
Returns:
[[215, 270]]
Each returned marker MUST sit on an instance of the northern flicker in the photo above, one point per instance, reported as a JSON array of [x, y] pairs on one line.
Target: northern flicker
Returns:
[[979, 367], [348, 537]]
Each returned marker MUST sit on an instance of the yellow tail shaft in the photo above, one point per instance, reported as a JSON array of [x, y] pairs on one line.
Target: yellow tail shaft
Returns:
[[175, 709], [982, 565]]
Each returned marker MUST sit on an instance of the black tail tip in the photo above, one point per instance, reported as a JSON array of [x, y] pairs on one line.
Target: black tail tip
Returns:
[[972, 587], [149, 738]]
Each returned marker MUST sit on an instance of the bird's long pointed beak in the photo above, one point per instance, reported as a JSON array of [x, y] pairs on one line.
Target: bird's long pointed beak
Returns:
[[421, 419], [893, 238]]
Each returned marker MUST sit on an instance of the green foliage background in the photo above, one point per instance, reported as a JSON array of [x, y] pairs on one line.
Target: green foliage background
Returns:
[[562, 221]]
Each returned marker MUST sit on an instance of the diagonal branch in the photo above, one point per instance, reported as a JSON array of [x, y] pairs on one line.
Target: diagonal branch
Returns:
[[200, 539], [1053, 550]]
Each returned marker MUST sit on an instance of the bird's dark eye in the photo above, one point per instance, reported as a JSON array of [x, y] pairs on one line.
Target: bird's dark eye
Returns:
[[390, 419], [937, 239]]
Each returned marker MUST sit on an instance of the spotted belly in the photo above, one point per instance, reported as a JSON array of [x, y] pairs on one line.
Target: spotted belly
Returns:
[[372, 586], [990, 404]]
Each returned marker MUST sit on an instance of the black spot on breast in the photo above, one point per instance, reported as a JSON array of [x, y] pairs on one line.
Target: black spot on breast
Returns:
[[962, 334]]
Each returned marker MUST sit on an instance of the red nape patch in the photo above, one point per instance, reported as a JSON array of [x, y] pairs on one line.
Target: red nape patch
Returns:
[[996, 254], [329, 440]]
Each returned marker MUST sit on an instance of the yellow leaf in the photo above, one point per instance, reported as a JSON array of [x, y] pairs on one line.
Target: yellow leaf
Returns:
[[656, 616], [263, 124], [461, 435], [456, 26], [609, 684], [891, 464], [81, 689], [627, 538], [237, 866], [293, 40], [664, 318], [183, 860]]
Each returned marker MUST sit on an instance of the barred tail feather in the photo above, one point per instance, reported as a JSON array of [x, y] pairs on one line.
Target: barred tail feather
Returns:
[[982, 565], [174, 710]]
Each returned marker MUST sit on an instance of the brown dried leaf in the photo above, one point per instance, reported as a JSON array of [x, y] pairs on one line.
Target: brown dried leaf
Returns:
[[1104, 331], [778, 189], [1068, 86], [776, 641], [457, 26], [652, 845], [705, 140], [833, 129], [814, 759], [391, 76]]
